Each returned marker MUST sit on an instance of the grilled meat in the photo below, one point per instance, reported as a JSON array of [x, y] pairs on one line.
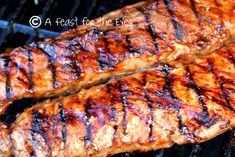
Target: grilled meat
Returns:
[[135, 37], [171, 103], [4, 141]]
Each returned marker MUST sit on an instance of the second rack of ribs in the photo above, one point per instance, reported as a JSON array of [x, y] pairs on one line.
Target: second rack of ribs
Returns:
[[171, 103], [156, 31]]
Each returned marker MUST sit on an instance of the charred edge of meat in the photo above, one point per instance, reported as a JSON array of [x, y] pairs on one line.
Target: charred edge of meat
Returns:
[[88, 108], [64, 122], [113, 109], [51, 55], [150, 108], [168, 89], [150, 29], [15, 108], [221, 84], [200, 96], [193, 6], [8, 80], [177, 26]]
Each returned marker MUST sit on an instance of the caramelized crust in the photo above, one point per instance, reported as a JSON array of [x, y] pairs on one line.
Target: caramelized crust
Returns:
[[153, 31], [170, 103], [5, 145]]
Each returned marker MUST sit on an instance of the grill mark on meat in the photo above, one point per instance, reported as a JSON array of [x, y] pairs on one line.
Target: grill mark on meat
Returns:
[[177, 26], [75, 66], [53, 59], [124, 102], [113, 112], [32, 154], [6, 69], [231, 57], [227, 80], [75, 42], [97, 33], [88, 109], [36, 128], [168, 89], [102, 61], [193, 6], [150, 108], [22, 70], [113, 109], [150, 29], [200, 96], [30, 75], [64, 122], [221, 84], [129, 46], [74, 59], [51, 55]]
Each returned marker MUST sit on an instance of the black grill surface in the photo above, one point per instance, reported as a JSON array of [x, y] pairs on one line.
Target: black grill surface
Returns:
[[15, 31]]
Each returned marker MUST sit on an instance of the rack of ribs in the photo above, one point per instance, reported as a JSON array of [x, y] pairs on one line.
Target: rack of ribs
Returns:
[[154, 32], [170, 103]]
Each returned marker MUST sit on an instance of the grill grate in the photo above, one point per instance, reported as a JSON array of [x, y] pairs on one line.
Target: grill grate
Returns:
[[15, 31]]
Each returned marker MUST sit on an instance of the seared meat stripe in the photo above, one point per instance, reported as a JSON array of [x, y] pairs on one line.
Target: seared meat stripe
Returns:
[[153, 31], [171, 103]]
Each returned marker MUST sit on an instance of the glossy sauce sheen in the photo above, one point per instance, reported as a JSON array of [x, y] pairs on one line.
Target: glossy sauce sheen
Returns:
[[170, 103], [155, 31]]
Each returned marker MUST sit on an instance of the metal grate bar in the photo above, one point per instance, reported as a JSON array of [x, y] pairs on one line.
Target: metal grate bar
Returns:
[[45, 10], [18, 10], [121, 3], [4, 34], [230, 144], [195, 150], [161, 153], [11, 18], [74, 9], [91, 8], [27, 29], [22, 13], [3, 8], [72, 12]]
